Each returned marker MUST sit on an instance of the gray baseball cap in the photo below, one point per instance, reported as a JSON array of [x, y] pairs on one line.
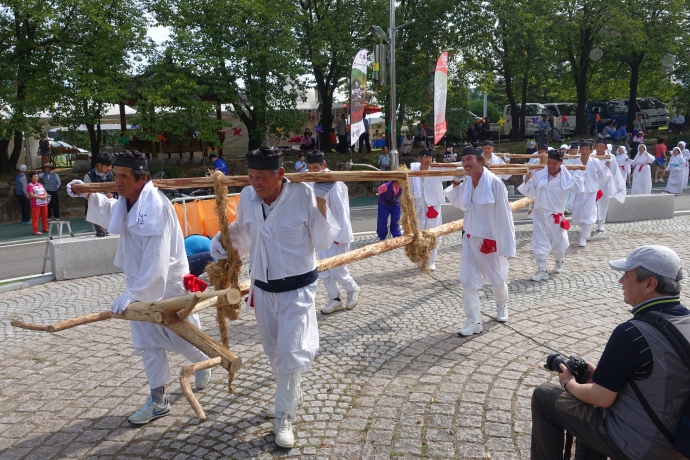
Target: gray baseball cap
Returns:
[[22, 168], [658, 259]]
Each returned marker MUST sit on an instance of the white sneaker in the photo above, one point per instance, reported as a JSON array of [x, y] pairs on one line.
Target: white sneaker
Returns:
[[501, 313], [201, 378], [352, 299], [432, 267], [558, 267], [583, 242], [470, 328], [149, 411], [567, 211], [332, 306], [601, 229], [282, 427], [541, 275]]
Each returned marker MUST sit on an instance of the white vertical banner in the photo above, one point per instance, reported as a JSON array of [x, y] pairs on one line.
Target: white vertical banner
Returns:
[[358, 92], [440, 94]]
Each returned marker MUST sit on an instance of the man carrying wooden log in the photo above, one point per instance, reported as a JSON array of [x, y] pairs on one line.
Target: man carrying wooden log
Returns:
[[491, 158], [574, 149], [549, 188], [280, 223], [584, 205], [339, 205], [152, 256], [489, 238], [428, 198], [612, 186]]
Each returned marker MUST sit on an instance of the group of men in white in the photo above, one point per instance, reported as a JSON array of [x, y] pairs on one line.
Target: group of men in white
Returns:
[[282, 225]]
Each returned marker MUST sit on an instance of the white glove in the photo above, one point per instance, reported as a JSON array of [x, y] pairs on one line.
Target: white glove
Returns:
[[71, 193], [120, 304], [217, 249], [505, 158], [458, 178], [321, 189]]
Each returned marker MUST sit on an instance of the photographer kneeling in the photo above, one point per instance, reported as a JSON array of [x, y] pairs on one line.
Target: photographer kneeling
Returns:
[[604, 413]]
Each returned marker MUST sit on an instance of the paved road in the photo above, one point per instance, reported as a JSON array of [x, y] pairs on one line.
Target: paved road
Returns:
[[25, 260], [392, 379]]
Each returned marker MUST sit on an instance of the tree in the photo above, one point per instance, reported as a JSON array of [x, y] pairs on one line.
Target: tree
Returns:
[[644, 35], [329, 34], [95, 72], [244, 53], [576, 30], [509, 39], [33, 36]]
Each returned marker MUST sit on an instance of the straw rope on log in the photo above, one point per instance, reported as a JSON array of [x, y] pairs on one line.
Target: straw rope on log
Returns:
[[224, 273], [419, 250]]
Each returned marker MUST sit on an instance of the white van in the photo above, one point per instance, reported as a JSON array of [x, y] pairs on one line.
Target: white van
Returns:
[[565, 111], [654, 112], [532, 118]]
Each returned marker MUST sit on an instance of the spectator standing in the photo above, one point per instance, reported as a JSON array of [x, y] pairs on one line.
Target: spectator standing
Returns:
[[606, 413], [20, 183], [389, 206], [364, 137], [198, 249], [39, 202], [659, 159], [51, 182], [44, 149], [638, 124], [101, 173], [384, 159], [341, 129], [420, 135], [677, 122], [333, 139], [301, 165], [218, 163]]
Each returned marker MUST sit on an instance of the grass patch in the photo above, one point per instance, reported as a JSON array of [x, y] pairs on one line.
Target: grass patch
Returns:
[[395, 453], [38, 359]]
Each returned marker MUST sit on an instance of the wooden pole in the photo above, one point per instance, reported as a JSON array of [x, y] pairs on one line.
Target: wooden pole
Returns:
[[240, 181], [566, 157], [185, 374]]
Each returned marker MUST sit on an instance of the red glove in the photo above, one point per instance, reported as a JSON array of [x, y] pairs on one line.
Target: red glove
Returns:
[[488, 246], [251, 303], [431, 212], [194, 284], [565, 225], [599, 194]]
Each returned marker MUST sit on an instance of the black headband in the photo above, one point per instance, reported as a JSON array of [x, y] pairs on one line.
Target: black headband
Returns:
[[555, 154], [265, 159], [316, 157], [134, 163]]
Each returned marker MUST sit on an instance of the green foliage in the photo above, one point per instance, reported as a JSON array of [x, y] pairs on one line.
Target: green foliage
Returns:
[[173, 172], [477, 107]]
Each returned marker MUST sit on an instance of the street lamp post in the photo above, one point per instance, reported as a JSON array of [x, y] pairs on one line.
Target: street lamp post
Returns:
[[395, 161]]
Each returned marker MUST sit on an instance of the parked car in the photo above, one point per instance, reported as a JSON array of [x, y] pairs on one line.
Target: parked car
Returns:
[[534, 112], [60, 147], [565, 111], [608, 111], [654, 112]]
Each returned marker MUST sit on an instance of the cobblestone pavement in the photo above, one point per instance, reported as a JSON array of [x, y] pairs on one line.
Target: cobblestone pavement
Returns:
[[392, 379]]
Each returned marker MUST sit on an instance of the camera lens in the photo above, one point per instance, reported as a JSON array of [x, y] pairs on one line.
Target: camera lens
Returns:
[[554, 361]]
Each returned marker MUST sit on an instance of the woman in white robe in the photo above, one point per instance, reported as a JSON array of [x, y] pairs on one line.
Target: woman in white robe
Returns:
[[624, 162], [676, 166], [686, 155], [642, 173]]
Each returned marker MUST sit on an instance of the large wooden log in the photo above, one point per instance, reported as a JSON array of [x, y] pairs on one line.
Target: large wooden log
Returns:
[[529, 156], [508, 168], [206, 344]]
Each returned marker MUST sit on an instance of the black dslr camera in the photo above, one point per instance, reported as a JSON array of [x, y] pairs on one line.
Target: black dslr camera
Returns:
[[576, 365]]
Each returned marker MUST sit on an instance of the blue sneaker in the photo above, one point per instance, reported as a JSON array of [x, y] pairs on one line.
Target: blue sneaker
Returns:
[[149, 411]]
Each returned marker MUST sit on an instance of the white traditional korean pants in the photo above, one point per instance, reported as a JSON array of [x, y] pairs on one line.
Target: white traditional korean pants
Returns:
[[548, 237], [476, 268], [338, 275]]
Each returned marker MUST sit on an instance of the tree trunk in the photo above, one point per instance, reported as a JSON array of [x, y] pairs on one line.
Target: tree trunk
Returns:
[[17, 149], [326, 120], [514, 110], [523, 111], [635, 63], [4, 157]]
